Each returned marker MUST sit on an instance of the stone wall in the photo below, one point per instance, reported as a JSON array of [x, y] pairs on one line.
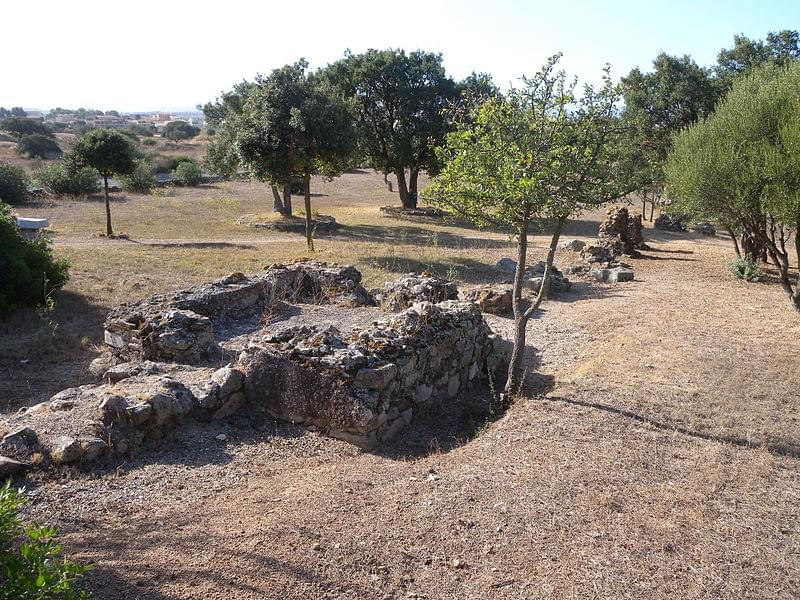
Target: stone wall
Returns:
[[362, 386], [365, 386], [179, 327]]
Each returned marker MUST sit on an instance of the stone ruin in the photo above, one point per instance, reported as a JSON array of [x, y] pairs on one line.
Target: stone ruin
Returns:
[[408, 289], [209, 352], [620, 234]]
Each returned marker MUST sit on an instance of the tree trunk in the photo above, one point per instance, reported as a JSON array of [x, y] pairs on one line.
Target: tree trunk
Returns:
[[287, 199], [109, 230], [644, 207], [413, 178], [652, 209], [514, 380], [402, 188], [277, 203], [387, 182], [522, 314], [735, 242], [309, 225]]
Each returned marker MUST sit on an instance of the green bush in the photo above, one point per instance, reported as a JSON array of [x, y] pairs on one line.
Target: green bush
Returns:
[[149, 142], [36, 145], [64, 179], [167, 164], [31, 564], [28, 273], [20, 126], [13, 184], [141, 180], [745, 268], [187, 173], [179, 130]]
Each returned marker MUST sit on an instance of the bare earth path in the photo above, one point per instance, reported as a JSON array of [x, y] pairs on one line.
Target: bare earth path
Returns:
[[565, 496]]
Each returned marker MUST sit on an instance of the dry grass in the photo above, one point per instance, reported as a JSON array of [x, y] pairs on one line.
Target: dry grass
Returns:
[[607, 488]]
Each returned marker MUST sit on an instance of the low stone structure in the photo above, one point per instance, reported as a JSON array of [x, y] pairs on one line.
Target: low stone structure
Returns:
[[621, 232], [362, 385], [179, 327], [415, 287], [534, 274], [704, 228]]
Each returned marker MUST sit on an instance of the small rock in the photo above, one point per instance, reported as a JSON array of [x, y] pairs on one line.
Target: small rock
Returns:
[[229, 380], [506, 265], [221, 437], [11, 468], [574, 245], [65, 450], [458, 563]]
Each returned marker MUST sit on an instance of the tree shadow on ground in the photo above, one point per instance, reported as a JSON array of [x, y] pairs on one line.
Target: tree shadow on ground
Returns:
[[457, 268], [138, 578], [778, 448], [38, 353], [197, 245], [418, 236]]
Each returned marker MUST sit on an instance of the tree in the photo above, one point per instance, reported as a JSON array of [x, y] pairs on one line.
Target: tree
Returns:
[[13, 184], [399, 100], [539, 154], [779, 49], [108, 151], [20, 126], [282, 126], [18, 111], [741, 166], [36, 145], [675, 94], [187, 173], [179, 130]]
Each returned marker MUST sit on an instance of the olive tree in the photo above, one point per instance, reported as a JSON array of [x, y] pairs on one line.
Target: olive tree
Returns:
[[741, 167], [108, 151], [540, 154]]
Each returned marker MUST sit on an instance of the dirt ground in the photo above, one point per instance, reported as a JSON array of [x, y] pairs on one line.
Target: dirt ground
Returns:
[[655, 453]]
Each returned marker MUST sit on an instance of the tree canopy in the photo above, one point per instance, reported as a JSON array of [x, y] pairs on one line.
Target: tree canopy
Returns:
[[741, 166], [540, 153], [179, 130], [108, 151], [399, 100], [20, 126], [286, 125]]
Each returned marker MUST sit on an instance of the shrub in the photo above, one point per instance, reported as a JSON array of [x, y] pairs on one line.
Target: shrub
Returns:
[[65, 179], [149, 142], [28, 273], [13, 184], [36, 145], [745, 268], [31, 564], [167, 164], [142, 179], [179, 130], [20, 126], [187, 173]]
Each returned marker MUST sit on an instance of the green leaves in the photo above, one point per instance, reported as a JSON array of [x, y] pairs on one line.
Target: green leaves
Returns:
[[110, 152], [31, 565], [539, 152]]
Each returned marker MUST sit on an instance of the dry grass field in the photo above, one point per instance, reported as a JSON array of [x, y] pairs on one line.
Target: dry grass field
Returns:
[[655, 453]]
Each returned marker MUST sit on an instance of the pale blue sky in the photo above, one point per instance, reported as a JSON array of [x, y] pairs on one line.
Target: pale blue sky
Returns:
[[149, 54]]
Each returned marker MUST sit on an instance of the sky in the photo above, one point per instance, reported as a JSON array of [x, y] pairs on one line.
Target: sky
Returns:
[[175, 54]]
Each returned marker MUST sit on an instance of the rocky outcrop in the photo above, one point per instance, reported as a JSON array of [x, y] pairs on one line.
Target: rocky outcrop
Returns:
[[179, 327], [415, 287]]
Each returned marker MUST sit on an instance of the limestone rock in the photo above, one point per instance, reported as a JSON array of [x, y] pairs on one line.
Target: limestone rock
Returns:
[[574, 245], [415, 287], [665, 222], [491, 300], [613, 275], [65, 450], [229, 380]]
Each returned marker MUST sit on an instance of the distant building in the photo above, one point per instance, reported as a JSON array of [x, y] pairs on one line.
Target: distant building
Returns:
[[109, 122]]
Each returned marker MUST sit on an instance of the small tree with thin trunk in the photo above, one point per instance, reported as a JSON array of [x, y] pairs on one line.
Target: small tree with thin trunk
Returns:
[[108, 151], [539, 154]]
